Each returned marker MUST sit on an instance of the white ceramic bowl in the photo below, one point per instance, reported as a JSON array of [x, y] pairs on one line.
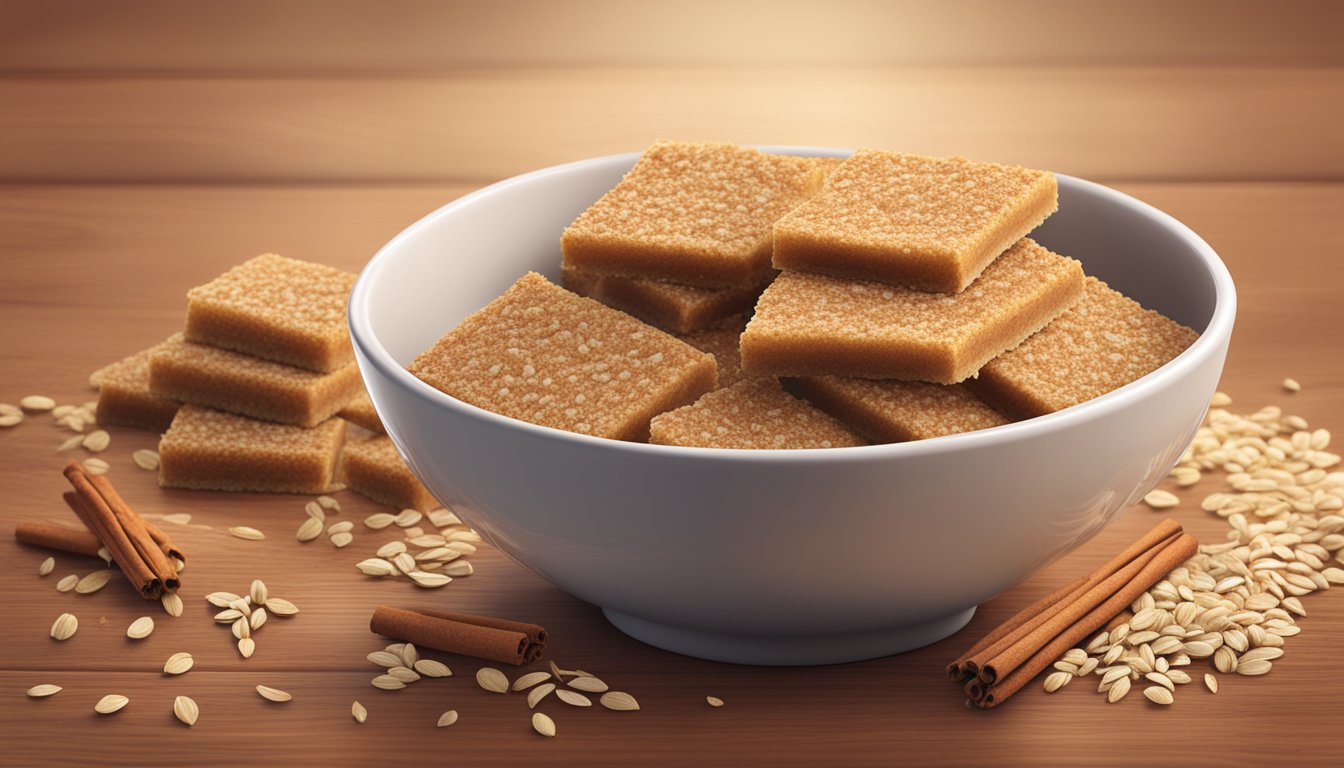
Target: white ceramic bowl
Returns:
[[780, 557]]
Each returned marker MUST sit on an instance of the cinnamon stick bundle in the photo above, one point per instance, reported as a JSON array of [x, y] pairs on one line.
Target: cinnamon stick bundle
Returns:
[[1011, 655], [58, 537], [501, 640], [137, 553]]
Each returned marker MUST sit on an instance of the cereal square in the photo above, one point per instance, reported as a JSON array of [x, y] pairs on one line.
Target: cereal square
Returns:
[[815, 325], [372, 467], [889, 411], [124, 396], [697, 214], [249, 386], [277, 308], [1105, 341], [547, 356], [754, 414], [671, 306], [929, 223], [216, 451], [361, 413]]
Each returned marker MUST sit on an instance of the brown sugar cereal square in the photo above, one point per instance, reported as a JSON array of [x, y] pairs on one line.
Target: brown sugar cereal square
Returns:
[[697, 214], [249, 386], [547, 356], [361, 413], [372, 467], [755, 414], [815, 325], [276, 308], [930, 223], [1105, 341], [672, 306], [889, 411], [721, 341], [212, 450], [124, 396]]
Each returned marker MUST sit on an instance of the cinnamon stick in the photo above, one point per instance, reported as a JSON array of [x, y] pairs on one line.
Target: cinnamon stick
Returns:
[[977, 659], [133, 527], [959, 669], [58, 537], [501, 640], [101, 521], [165, 542], [1089, 615], [1004, 656]]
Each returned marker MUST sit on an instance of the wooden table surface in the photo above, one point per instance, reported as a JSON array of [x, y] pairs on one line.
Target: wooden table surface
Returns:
[[146, 147]]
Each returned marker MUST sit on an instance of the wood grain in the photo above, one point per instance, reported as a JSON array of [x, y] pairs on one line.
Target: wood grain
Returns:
[[398, 35], [482, 125], [95, 272]]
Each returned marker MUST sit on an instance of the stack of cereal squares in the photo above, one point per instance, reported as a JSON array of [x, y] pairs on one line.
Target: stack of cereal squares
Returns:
[[249, 395], [879, 288]]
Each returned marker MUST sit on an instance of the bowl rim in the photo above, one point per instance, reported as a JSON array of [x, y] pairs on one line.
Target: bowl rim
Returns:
[[1217, 332]]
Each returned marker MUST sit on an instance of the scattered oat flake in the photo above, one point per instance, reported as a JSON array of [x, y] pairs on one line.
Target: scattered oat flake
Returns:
[[281, 607], [67, 583], [573, 698], [388, 683], [342, 539], [244, 532], [185, 709], [96, 466], [110, 703], [146, 459], [1160, 499], [97, 441], [179, 663], [310, 529], [543, 724], [588, 683], [530, 679], [358, 712], [1291, 385], [380, 520], [714, 701], [93, 582], [619, 701], [273, 694], [492, 680], [140, 628], [172, 604], [538, 693], [40, 691], [47, 566], [64, 627], [447, 718], [432, 668], [247, 646], [37, 403]]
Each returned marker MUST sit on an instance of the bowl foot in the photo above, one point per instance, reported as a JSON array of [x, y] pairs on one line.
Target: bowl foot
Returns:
[[786, 651]]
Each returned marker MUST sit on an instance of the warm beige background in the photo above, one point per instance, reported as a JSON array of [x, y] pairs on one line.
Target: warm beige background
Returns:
[[146, 146]]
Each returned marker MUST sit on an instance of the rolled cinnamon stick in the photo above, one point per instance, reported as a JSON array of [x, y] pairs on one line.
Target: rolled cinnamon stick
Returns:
[[507, 642], [102, 523], [976, 660], [165, 542], [1007, 658], [1093, 616], [133, 526], [58, 537], [958, 670]]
